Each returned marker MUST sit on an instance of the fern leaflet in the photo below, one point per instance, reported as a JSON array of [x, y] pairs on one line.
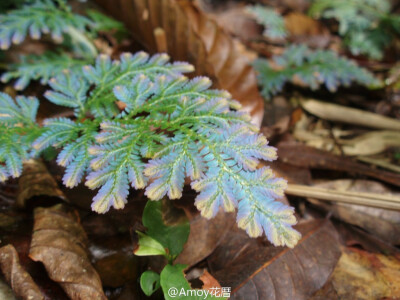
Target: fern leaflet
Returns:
[[17, 132], [40, 67], [312, 68], [273, 22]]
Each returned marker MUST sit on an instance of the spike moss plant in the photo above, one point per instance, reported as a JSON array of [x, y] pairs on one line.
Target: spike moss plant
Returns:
[[137, 122], [170, 128]]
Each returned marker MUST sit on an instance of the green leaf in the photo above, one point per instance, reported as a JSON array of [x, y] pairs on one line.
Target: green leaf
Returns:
[[172, 237], [173, 279], [175, 285], [148, 246], [150, 282]]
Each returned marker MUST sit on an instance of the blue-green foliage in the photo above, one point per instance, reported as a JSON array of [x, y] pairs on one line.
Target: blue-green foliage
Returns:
[[273, 22], [40, 67], [17, 131], [55, 18], [366, 25], [312, 68], [170, 128], [40, 17]]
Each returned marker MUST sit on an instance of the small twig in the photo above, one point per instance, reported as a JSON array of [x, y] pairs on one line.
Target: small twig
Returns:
[[367, 199]]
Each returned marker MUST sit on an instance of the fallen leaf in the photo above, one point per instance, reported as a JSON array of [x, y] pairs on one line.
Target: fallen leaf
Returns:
[[209, 281], [255, 269], [303, 156], [37, 186], [205, 235], [370, 143], [59, 242], [354, 236], [363, 275], [192, 36], [383, 223], [19, 234], [20, 280], [338, 113], [234, 19]]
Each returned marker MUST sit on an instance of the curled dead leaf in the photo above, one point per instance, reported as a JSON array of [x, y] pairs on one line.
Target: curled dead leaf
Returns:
[[37, 187], [59, 242], [20, 280]]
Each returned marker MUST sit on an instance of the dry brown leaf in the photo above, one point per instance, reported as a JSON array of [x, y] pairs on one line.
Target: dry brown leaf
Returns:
[[37, 187], [362, 275], [20, 280], [234, 19], [255, 269], [205, 235], [383, 223], [338, 113], [370, 143], [59, 242], [209, 281], [192, 36]]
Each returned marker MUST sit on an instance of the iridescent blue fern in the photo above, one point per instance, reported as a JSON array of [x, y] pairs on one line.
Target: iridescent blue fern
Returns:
[[41, 17], [17, 132], [40, 67], [166, 128]]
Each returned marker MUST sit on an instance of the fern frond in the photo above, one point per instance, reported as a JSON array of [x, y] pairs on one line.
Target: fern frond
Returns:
[[312, 68], [40, 17], [366, 25], [106, 74], [55, 18], [170, 128], [273, 22], [17, 131], [40, 67]]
